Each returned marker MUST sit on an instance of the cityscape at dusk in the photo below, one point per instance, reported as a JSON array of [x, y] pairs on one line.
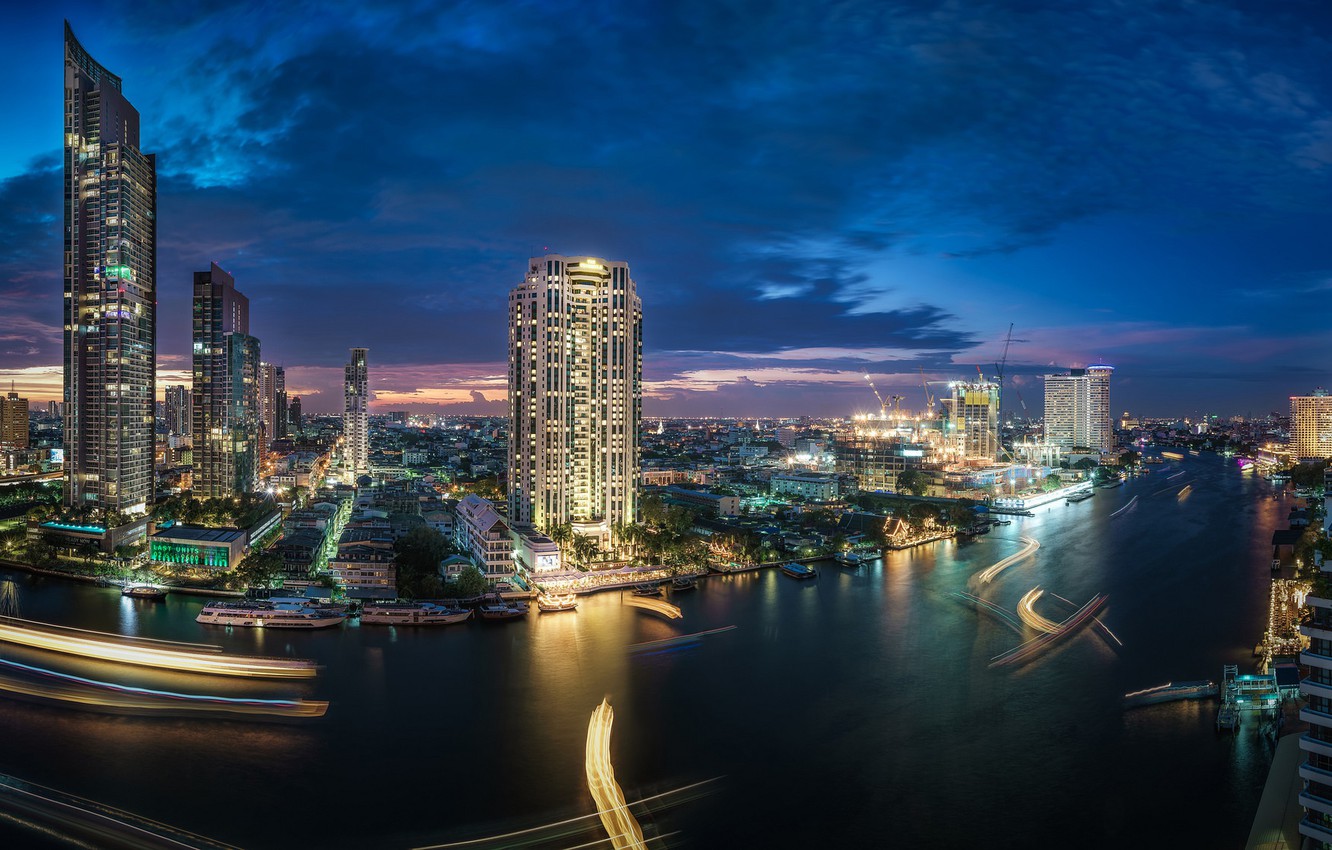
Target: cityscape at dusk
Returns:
[[876, 187], [568, 424]]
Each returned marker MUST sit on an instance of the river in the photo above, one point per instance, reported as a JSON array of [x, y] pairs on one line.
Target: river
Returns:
[[856, 710]]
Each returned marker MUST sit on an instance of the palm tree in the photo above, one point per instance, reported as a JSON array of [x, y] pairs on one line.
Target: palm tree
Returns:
[[584, 549]]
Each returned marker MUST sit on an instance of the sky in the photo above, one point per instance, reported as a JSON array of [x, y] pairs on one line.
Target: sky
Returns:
[[805, 192]]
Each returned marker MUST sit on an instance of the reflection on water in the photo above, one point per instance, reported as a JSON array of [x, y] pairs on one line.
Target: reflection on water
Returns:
[[866, 693]]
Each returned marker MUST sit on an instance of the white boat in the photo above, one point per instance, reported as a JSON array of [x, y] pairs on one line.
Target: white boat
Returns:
[[144, 591], [847, 559], [268, 615], [411, 614], [552, 603]]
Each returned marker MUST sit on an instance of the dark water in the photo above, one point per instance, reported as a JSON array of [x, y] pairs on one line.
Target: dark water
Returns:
[[857, 710]]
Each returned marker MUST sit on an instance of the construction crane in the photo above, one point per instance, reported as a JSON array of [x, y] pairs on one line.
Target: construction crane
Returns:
[[883, 405], [897, 404]]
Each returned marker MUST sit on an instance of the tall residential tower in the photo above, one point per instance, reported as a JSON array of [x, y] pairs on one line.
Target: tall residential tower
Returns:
[[110, 292], [356, 413], [575, 395], [226, 388], [1311, 425], [1077, 409]]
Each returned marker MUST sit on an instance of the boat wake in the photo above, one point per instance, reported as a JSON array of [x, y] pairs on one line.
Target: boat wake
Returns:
[[1024, 652], [989, 573], [1126, 508]]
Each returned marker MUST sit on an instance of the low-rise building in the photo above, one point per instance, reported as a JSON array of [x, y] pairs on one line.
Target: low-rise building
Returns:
[[711, 503], [815, 486], [534, 552], [364, 565], [485, 535], [192, 547]]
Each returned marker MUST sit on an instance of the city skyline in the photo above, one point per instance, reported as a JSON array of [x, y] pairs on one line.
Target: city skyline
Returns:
[[965, 215]]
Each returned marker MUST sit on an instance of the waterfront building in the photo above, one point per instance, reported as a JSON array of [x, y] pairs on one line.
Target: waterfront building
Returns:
[[1077, 409], [226, 388], [364, 564], [575, 396], [1311, 425], [711, 503], [183, 546], [272, 402], [1315, 769], [816, 487], [178, 411], [482, 533], [110, 271], [14, 421], [356, 414]]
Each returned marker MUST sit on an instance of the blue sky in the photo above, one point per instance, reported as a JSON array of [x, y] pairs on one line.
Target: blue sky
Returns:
[[805, 192]]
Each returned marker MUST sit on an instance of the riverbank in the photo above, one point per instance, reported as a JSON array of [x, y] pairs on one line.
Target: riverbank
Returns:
[[103, 581]]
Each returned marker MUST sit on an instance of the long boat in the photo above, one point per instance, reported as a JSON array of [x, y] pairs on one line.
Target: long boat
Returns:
[[502, 611], [550, 603], [268, 615], [799, 571], [1169, 692], [150, 592], [411, 614]]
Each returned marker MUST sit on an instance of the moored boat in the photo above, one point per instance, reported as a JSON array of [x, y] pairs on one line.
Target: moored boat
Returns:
[[647, 589], [502, 610], [1079, 497], [1170, 692], [411, 614], [799, 571], [144, 591], [551, 603], [268, 615], [681, 583], [847, 559]]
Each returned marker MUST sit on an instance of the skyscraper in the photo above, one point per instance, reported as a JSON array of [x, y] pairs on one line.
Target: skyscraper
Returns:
[[272, 401], [226, 388], [294, 416], [110, 292], [575, 395], [1077, 409], [1311, 425], [178, 407], [974, 408], [356, 413], [14, 421]]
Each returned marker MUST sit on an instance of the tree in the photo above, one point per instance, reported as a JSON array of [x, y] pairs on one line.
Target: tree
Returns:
[[257, 569], [583, 549], [40, 553], [1129, 458], [912, 481], [1085, 463], [419, 552], [468, 583]]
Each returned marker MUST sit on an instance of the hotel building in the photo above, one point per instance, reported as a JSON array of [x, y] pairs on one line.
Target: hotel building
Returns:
[[1311, 425], [110, 265], [575, 395], [1077, 409]]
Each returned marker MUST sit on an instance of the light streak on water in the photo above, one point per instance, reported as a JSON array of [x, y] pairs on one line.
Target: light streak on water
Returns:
[[1127, 507], [128, 697], [677, 640], [989, 573], [1027, 612], [656, 606], [1098, 620], [620, 824], [1024, 652], [109, 647]]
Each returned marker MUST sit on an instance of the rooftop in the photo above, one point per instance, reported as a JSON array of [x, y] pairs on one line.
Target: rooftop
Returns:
[[200, 535]]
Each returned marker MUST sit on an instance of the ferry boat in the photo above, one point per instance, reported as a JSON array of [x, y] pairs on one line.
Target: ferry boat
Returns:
[[411, 614], [144, 591], [502, 610], [1079, 497], [1170, 692], [847, 559], [647, 589], [268, 615], [549, 603], [682, 583], [799, 571]]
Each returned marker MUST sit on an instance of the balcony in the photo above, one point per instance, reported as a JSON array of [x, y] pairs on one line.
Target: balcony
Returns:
[[1313, 801], [1318, 832], [1315, 629], [1310, 744], [1315, 659], [1316, 717], [1316, 774], [1309, 686]]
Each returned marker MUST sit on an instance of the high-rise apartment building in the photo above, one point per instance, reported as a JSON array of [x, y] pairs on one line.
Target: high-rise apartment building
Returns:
[[178, 419], [226, 388], [272, 402], [14, 421], [1077, 409], [356, 413], [294, 418], [575, 395], [110, 345], [1311, 425]]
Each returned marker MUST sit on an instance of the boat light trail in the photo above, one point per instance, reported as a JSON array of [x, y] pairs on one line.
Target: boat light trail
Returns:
[[543, 832], [620, 824], [1098, 620], [1184, 494], [1176, 475], [1023, 652], [656, 606], [1027, 612], [133, 640], [147, 699], [988, 574], [678, 639], [1131, 503], [990, 607], [111, 649]]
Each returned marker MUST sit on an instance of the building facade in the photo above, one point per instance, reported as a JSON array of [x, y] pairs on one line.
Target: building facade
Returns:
[[110, 336], [975, 419], [484, 535], [179, 420], [575, 395], [272, 402], [14, 421], [1077, 409], [808, 485], [356, 413], [225, 395], [1311, 425]]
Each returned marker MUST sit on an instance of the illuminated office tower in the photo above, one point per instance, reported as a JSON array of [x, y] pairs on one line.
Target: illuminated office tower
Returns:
[[14, 421], [226, 388], [974, 409], [272, 402], [178, 419], [356, 413], [110, 265], [1311, 425], [575, 395], [1077, 409]]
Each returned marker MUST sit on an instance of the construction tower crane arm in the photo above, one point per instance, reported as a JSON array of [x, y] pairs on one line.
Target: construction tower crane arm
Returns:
[[883, 406]]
